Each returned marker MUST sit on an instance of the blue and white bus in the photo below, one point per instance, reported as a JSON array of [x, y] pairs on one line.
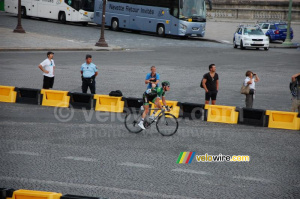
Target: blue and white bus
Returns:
[[62, 10], [164, 17]]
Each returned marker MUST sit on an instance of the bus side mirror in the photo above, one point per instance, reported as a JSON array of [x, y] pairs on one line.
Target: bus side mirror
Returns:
[[181, 4]]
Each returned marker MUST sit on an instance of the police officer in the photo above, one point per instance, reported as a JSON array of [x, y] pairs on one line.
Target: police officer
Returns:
[[89, 71]]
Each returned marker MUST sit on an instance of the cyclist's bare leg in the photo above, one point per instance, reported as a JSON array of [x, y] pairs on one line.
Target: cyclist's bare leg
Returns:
[[157, 103], [146, 107], [146, 111]]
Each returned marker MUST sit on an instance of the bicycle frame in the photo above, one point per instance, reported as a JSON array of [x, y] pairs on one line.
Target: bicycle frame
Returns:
[[159, 119], [162, 112]]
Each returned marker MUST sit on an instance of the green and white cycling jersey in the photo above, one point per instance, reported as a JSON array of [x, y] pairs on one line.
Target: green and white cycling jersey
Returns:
[[150, 95]]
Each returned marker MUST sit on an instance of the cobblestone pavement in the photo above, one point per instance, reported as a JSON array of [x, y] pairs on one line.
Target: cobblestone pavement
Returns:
[[93, 154]]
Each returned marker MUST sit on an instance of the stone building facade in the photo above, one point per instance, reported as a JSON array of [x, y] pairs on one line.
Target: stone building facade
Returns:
[[254, 10]]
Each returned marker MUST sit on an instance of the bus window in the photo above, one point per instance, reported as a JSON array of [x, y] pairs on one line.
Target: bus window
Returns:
[[193, 8], [88, 5], [175, 9]]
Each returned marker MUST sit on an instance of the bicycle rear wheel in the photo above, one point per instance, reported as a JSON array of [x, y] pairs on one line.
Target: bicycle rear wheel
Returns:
[[167, 124], [131, 123]]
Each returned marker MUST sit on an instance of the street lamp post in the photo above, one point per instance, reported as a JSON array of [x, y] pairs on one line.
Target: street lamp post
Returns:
[[102, 42], [288, 41], [19, 28]]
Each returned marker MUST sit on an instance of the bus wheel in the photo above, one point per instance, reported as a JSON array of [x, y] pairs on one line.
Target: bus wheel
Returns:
[[62, 17], [23, 12], [115, 24], [160, 30]]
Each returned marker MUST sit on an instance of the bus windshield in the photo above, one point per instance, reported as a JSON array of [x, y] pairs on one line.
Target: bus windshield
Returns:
[[86, 5], [195, 9]]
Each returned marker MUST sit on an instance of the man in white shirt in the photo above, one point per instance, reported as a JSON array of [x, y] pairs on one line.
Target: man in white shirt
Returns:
[[48, 66]]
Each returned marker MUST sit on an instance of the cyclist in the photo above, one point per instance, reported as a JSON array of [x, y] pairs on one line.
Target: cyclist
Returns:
[[153, 95]]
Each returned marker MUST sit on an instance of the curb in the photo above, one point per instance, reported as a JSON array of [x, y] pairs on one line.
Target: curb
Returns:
[[287, 47], [208, 40], [295, 45], [64, 49]]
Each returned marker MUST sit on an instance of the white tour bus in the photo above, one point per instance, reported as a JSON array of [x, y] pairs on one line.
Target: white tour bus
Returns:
[[63, 10]]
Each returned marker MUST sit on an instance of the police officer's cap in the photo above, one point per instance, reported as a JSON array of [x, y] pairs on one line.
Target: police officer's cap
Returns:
[[49, 53]]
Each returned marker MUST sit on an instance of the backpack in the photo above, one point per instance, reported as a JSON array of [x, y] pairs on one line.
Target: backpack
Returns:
[[116, 93], [293, 88], [201, 85]]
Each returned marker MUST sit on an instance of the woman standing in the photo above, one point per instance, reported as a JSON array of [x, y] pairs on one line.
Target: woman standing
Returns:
[[250, 80]]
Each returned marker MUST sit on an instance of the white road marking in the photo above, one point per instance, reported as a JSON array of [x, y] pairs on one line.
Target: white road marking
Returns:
[[252, 179], [24, 153], [191, 171], [95, 187], [225, 41], [131, 164], [80, 159]]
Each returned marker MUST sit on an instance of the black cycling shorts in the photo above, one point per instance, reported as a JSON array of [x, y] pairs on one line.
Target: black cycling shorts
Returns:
[[148, 98], [211, 95]]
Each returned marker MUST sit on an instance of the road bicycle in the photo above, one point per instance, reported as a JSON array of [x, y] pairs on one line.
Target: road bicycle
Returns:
[[166, 123]]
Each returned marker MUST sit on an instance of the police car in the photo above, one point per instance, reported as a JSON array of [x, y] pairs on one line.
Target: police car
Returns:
[[250, 37], [275, 30]]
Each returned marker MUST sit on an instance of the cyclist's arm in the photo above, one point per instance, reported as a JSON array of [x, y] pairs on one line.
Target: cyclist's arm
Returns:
[[164, 101]]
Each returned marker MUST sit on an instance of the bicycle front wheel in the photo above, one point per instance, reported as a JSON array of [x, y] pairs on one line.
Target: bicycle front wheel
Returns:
[[131, 123], [167, 124]]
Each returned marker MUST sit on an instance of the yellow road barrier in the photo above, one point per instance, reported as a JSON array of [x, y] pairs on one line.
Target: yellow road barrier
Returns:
[[283, 120], [29, 194], [8, 94], [55, 98], [109, 104], [222, 114]]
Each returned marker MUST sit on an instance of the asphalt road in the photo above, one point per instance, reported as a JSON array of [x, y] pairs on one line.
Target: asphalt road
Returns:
[[93, 154], [182, 66], [89, 35]]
